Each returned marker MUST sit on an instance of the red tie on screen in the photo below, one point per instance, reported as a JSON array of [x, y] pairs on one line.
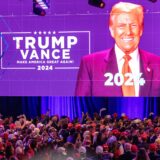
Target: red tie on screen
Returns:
[[127, 90]]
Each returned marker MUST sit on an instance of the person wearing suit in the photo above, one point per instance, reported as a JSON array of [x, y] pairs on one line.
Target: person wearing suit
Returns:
[[128, 154], [105, 73]]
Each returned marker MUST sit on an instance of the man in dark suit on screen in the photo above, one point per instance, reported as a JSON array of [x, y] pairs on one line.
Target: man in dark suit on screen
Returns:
[[124, 70]]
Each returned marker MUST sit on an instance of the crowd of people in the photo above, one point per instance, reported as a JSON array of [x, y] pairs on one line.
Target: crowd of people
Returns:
[[109, 137]]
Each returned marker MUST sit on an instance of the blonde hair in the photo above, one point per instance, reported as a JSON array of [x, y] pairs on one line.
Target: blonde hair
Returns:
[[125, 7]]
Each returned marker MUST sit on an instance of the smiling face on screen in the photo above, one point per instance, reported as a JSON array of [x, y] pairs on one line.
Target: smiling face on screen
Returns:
[[126, 28]]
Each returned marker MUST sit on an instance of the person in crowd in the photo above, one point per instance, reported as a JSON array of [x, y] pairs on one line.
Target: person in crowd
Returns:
[[142, 155], [127, 154]]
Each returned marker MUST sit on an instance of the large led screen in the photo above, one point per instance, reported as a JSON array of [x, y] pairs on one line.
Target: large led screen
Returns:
[[41, 55]]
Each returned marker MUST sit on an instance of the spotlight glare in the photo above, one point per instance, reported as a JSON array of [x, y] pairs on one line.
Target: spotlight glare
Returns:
[[39, 7], [97, 3], [102, 4], [39, 11], [42, 4]]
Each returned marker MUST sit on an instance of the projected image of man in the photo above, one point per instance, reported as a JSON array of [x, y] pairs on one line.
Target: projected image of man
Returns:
[[125, 69]]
